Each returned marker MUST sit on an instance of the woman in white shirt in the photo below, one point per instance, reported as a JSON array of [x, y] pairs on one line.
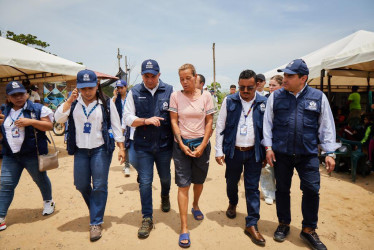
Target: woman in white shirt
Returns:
[[94, 125], [20, 122]]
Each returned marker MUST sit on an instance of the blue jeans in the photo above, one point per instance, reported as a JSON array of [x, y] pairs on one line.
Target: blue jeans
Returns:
[[252, 172], [11, 170], [143, 163], [308, 170], [93, 163]]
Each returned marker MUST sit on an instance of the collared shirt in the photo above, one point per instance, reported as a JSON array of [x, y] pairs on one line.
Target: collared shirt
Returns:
[[263, 93], [15, 143], [95, 138], [129, 111], [247, 140], [326, 129]]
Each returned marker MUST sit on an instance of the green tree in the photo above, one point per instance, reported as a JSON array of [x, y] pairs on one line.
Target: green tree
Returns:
[[28, 40], [218, 93]]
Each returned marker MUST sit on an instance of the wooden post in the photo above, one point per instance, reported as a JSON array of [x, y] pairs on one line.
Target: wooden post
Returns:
[[214, 67], [127, 71], [119, 56]]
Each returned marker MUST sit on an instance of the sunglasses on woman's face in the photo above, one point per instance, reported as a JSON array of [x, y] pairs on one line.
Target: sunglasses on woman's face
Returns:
[[249, 88]]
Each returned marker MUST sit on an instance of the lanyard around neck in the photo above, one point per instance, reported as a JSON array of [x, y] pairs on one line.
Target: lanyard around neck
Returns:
[[89, 113], [249, 111], [19, 115]]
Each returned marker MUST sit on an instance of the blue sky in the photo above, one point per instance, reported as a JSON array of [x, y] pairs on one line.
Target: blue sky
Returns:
[[258, 35]]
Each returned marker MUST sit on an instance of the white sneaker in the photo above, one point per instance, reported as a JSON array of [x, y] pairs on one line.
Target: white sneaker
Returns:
[[127, 172], [49, 207], [269, 201], [2, 224]]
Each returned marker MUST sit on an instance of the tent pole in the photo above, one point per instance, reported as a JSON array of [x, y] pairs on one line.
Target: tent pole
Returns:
[[321, 79], [329, 87]]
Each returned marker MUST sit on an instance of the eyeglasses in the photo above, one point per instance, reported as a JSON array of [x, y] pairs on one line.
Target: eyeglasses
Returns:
[[249, 88]]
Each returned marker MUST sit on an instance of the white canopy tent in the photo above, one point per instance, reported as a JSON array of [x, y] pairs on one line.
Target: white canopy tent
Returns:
[[346, 62], [18, 62]]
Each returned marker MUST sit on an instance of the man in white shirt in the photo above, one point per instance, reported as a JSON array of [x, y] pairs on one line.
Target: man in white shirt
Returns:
[[146, 110], [238, 143], [261, 81], [297, 121], [34, 96]]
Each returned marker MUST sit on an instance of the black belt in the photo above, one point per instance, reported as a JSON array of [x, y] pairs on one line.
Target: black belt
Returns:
[[244, 148]]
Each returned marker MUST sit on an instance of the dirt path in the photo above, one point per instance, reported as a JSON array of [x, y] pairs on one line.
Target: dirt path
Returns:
[[346, 217]]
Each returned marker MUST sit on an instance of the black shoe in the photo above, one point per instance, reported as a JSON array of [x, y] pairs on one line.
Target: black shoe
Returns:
[[145, 229], [165, 203], [231, 211], [313, 240], [281, 233]]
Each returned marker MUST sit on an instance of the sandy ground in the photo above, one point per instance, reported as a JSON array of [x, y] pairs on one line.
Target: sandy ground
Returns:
[[346, 217]]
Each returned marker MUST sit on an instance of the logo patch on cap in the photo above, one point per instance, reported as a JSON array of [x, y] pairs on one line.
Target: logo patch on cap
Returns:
[[119, 82], [15, 85], [290, 64], [149, 65], [86, 77]]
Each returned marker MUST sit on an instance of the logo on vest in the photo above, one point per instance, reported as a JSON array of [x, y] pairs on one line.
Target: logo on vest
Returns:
[[312, 105], [86, 77], [15, 85], [149, 65], [165, 106], [262, 107]]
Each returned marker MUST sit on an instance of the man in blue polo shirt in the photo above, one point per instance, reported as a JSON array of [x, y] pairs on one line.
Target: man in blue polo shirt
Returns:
[[146, 109], [297, 120]]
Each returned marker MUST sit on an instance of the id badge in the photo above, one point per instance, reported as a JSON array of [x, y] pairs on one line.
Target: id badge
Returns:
[[87, 128], [243, 129], [15, 132]]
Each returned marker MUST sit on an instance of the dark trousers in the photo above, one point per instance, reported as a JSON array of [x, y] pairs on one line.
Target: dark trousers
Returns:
[[252, 172], [308, 170]]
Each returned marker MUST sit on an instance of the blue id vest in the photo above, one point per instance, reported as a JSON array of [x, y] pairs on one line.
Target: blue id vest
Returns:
[[295, 123], [108, 141], [234, 110], [152, 138], [32, 111]]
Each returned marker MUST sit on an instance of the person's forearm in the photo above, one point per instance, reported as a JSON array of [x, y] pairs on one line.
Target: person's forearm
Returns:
[[121, 145], [66, 106], [208, 129], [139, 122], [42, 125]]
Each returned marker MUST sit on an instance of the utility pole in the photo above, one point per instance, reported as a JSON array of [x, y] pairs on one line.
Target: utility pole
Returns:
[[214, 67], [119, 56], [127, 70]]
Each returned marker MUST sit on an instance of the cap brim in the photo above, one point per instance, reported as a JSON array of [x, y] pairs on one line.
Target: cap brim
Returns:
[[153, 72], [15, 91], [86, 85], [287, 71]]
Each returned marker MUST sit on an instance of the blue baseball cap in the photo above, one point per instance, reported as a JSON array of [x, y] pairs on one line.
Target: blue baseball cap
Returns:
[[14, 87], [297, 66], [150, 66], [121, 83], [86, 79]]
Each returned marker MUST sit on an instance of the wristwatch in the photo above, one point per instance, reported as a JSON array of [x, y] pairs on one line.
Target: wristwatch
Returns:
[[333, 155]]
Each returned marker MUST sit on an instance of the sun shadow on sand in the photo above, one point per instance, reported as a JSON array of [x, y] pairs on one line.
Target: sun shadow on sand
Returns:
[[266, 228], [81, 224], [23, 216], [170, 219]]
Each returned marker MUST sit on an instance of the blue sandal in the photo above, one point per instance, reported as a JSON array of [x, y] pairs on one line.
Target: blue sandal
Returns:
[[197, 214], [185, 236]]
